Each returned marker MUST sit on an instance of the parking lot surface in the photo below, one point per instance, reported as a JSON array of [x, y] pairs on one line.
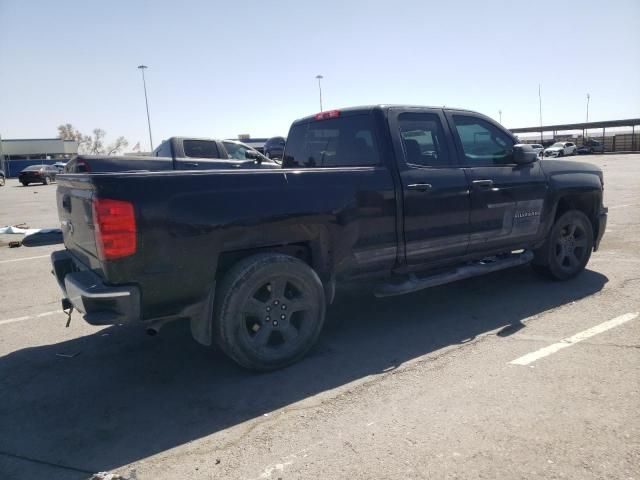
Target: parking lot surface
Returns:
[[502, 376]]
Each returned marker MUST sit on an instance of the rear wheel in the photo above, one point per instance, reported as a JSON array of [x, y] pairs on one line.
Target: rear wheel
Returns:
[[269, 311], [47, 181], [567, 250], [2, 181]]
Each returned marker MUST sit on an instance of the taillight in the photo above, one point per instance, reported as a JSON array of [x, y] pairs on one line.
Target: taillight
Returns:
[[83, 166], [115, 228], [327, 114]]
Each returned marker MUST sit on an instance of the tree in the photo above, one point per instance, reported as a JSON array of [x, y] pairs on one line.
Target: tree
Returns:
[[92, 144]]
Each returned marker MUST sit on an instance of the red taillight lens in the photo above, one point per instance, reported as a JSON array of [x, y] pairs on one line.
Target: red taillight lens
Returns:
[[83, 167], [327, 114], [115, 228]]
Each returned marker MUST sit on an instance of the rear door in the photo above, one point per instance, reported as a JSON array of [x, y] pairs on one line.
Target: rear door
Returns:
[[506, 199], [435, 194], [200, 155], [343, 150]]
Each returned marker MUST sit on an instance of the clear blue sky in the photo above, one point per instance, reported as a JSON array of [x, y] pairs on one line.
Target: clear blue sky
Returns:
[[221, 68]]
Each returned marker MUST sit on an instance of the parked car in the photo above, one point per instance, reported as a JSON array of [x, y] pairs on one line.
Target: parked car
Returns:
[[38, 174], [561, 149], [274, 147], [60, 166], [591, 146], [537, 148], [177, 153], [367, 194], [3, 178]]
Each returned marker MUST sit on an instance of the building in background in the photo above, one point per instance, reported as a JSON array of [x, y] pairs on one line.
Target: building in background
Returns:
[[20, 153]]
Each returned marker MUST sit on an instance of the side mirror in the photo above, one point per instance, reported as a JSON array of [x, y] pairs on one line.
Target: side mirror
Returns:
[[523, 154], [253, 155]]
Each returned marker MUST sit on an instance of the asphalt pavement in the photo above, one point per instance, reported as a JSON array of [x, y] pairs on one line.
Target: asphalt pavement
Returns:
[[504, 376]]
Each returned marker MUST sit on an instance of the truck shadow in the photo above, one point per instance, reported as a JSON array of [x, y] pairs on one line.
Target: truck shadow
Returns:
[[126, 396]]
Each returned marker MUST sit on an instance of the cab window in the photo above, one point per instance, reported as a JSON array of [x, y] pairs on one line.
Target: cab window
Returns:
[[483, 143], [347, 141], [200, 149], [423, 140]]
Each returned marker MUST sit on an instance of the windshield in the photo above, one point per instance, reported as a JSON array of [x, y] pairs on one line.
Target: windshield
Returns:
[[33, 168], [558, 144]]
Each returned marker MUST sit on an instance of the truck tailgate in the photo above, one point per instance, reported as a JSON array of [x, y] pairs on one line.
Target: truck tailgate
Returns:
[[74, 200]]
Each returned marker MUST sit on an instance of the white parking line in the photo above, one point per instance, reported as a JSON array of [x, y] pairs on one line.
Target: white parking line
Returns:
[[624, 206], [29, 317], [578, 337], [25, 258]]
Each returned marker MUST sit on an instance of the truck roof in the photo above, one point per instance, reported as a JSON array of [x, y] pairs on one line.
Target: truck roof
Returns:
[[381, 106]]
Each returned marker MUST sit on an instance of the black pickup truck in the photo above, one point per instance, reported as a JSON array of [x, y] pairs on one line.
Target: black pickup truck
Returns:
[[177, 153], [403, 198]]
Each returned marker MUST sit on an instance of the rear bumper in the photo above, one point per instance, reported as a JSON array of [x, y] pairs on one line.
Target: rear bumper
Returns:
[[100, 304], [602, 226]]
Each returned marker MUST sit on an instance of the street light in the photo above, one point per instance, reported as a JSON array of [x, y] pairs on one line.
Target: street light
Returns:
[[540, 107], [588, 97], [142, 68], [320, 77]]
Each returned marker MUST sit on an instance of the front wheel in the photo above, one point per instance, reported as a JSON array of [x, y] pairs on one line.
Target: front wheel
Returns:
[[568, 248], [2, 181], [25, 184], [269, 311]]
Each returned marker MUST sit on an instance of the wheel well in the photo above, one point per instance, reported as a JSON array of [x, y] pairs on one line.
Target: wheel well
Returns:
[[587, 203], [228, 259]]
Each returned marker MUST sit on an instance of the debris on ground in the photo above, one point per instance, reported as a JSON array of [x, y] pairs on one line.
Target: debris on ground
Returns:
[[20, 228], [42, 236], [106, 476], [34, 236], [15, 244]]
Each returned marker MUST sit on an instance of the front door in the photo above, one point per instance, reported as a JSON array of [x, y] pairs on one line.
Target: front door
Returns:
[[435, 194], [506, 199]]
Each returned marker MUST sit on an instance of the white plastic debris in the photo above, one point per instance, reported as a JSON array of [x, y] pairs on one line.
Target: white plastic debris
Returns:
[[13, 229], [106, 476]]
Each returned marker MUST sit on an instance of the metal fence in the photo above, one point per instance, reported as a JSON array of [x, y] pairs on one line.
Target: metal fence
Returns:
[[614, 141]]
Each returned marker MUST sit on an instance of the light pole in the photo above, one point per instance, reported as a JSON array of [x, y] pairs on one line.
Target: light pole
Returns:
[[320, 77], [500, 113], [588, 97], [146, 101], [540, 107]]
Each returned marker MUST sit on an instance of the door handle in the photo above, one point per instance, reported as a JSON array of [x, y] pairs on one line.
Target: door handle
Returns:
[[482, 184], [190, 164], [420, 187]]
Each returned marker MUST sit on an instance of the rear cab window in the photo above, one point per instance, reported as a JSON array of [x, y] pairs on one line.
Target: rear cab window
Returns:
[[340, 141], [164, 150]]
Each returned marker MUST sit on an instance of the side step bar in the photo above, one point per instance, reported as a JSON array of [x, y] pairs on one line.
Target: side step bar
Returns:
[[413, 283]]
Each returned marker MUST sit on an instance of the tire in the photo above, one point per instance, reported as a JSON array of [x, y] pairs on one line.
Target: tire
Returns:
[[25, 184], [2, 181], [271, 293], [561, 153], [47, 181], [568, 248]]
